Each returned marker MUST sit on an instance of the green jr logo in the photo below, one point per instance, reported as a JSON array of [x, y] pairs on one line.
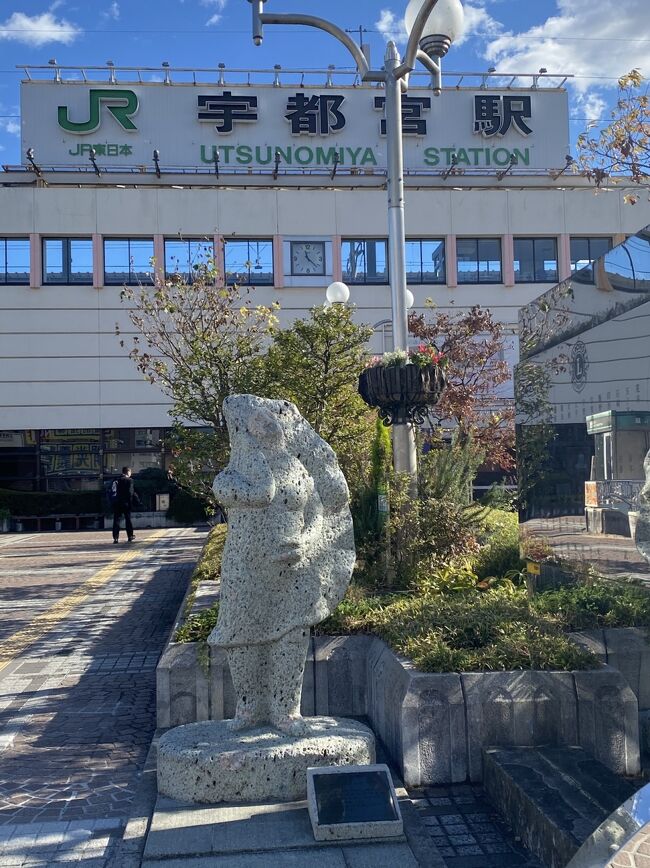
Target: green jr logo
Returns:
[[122, 104]]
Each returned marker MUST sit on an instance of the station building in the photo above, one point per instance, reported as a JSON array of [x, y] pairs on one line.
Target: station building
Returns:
[[282, 179]]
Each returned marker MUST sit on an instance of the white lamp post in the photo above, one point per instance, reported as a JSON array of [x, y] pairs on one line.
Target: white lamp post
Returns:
[[432, 26]]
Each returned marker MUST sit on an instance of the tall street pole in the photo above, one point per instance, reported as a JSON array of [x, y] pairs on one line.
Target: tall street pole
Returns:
[[404, 451]]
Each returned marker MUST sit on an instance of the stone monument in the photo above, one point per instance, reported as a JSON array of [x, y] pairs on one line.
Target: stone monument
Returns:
[[287, 562], [642, 534]]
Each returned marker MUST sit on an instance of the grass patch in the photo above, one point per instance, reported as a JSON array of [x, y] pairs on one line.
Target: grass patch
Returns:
[[208, 568], [195, 628], [597, 604], [198, 627], [472, 631]]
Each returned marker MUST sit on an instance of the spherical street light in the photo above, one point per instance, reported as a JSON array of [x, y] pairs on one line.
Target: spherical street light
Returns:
[[443, 26], [337, 293], [410, 299]]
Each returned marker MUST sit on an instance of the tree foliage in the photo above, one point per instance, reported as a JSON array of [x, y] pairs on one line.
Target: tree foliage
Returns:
[[472, 343], [623, 146], [316, 363], [198, 341]]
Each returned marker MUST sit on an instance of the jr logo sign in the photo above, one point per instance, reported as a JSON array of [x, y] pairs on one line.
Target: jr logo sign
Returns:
[[122, 104]]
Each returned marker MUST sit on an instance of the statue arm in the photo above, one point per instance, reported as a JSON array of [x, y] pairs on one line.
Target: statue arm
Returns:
[[246, 482]]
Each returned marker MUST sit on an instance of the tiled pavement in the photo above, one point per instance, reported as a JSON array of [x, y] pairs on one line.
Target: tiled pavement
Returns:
[[466, 829], [83, 623], [77, 697]]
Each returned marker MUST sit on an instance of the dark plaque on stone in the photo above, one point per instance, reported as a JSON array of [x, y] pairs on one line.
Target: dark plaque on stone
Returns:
[[353, 802]]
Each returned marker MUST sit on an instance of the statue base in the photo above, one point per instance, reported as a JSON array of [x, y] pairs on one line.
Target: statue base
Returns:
[[208, 763]]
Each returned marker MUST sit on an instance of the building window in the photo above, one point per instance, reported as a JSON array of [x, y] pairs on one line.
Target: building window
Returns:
[[425, 260], [68, 261], [185, 257], [584, 251], [249, 262], [365, 261], [14, 260], [535, 260], [128, 260], [479, 260]]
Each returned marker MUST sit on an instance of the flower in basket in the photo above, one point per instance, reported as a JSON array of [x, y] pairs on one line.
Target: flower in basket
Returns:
[[427, 354], [393, 359]]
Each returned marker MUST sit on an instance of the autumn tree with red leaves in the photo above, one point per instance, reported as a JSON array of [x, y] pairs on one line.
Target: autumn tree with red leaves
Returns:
[[472, 344]]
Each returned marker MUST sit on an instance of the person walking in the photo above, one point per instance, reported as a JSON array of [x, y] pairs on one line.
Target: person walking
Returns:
[[124, 498]]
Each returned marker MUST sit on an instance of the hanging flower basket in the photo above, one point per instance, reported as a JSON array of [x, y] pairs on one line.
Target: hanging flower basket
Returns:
[[402, 393]]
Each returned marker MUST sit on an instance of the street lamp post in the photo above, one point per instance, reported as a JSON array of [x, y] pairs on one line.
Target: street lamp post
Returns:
[[432, 26]]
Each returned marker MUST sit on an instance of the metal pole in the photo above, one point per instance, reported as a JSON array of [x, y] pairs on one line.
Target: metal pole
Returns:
[[404, 454]]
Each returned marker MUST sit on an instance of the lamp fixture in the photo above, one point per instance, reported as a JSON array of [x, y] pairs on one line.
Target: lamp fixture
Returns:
[[442, 27], [337, 292]]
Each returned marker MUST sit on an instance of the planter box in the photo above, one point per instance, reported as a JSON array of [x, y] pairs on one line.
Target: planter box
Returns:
[[435, 726], [402, 393]]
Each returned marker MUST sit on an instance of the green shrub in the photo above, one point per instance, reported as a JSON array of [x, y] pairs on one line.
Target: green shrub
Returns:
[[598, 604], [499, 497], [51, 502], [499, 553], [185, 508]]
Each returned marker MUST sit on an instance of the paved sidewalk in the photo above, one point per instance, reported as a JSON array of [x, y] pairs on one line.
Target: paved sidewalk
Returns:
[[83, 625]]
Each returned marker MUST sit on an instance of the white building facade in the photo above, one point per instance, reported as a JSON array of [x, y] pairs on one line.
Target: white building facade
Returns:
[[285, 187]]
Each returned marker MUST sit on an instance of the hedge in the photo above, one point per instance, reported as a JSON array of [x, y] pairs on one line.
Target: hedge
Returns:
[[44, 503]]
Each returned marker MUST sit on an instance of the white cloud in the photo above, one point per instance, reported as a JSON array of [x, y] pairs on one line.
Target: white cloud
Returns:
[[38, 30], [219, 5], [587, 38], [589, 106], [9, 124], [391, 27], [478, 22], [113, 11]]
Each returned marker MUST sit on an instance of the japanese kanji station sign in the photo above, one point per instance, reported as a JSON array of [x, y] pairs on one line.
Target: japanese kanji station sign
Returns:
[[305, 127]]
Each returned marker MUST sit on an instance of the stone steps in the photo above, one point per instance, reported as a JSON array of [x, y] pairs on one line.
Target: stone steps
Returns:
[[553, 798]]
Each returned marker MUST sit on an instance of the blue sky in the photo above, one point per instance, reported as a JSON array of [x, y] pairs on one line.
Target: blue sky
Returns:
[[580, 37]]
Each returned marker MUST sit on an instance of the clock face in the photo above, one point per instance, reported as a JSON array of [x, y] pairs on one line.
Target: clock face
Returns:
[[308, 257]]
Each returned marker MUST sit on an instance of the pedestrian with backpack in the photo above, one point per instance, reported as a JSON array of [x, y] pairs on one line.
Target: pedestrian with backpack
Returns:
[[123, 498]]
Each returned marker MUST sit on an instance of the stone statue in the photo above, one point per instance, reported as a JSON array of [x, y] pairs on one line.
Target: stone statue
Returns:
[[287, 562], [288, 557], [642, 535]]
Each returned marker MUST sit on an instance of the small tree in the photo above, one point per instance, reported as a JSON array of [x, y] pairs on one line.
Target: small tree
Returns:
[[623, 146], [472, 343], [199, 342], [316, 364]]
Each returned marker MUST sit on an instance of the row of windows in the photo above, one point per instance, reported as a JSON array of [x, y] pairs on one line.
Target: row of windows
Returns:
[[250, 261]]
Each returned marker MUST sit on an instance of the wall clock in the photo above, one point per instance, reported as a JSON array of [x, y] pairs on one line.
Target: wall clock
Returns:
[[307, 258]]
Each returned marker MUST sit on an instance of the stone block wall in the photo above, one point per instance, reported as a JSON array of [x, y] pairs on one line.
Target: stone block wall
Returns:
[[435, 726]]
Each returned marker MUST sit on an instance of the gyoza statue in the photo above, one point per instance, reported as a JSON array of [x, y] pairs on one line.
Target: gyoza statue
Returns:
[[288, 557]]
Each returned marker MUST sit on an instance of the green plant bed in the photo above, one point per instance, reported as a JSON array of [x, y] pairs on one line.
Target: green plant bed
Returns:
[[597, 604], [496, 630], [458, 620]]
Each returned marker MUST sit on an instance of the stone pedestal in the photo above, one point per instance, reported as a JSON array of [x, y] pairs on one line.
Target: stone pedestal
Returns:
[[208, 763]]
